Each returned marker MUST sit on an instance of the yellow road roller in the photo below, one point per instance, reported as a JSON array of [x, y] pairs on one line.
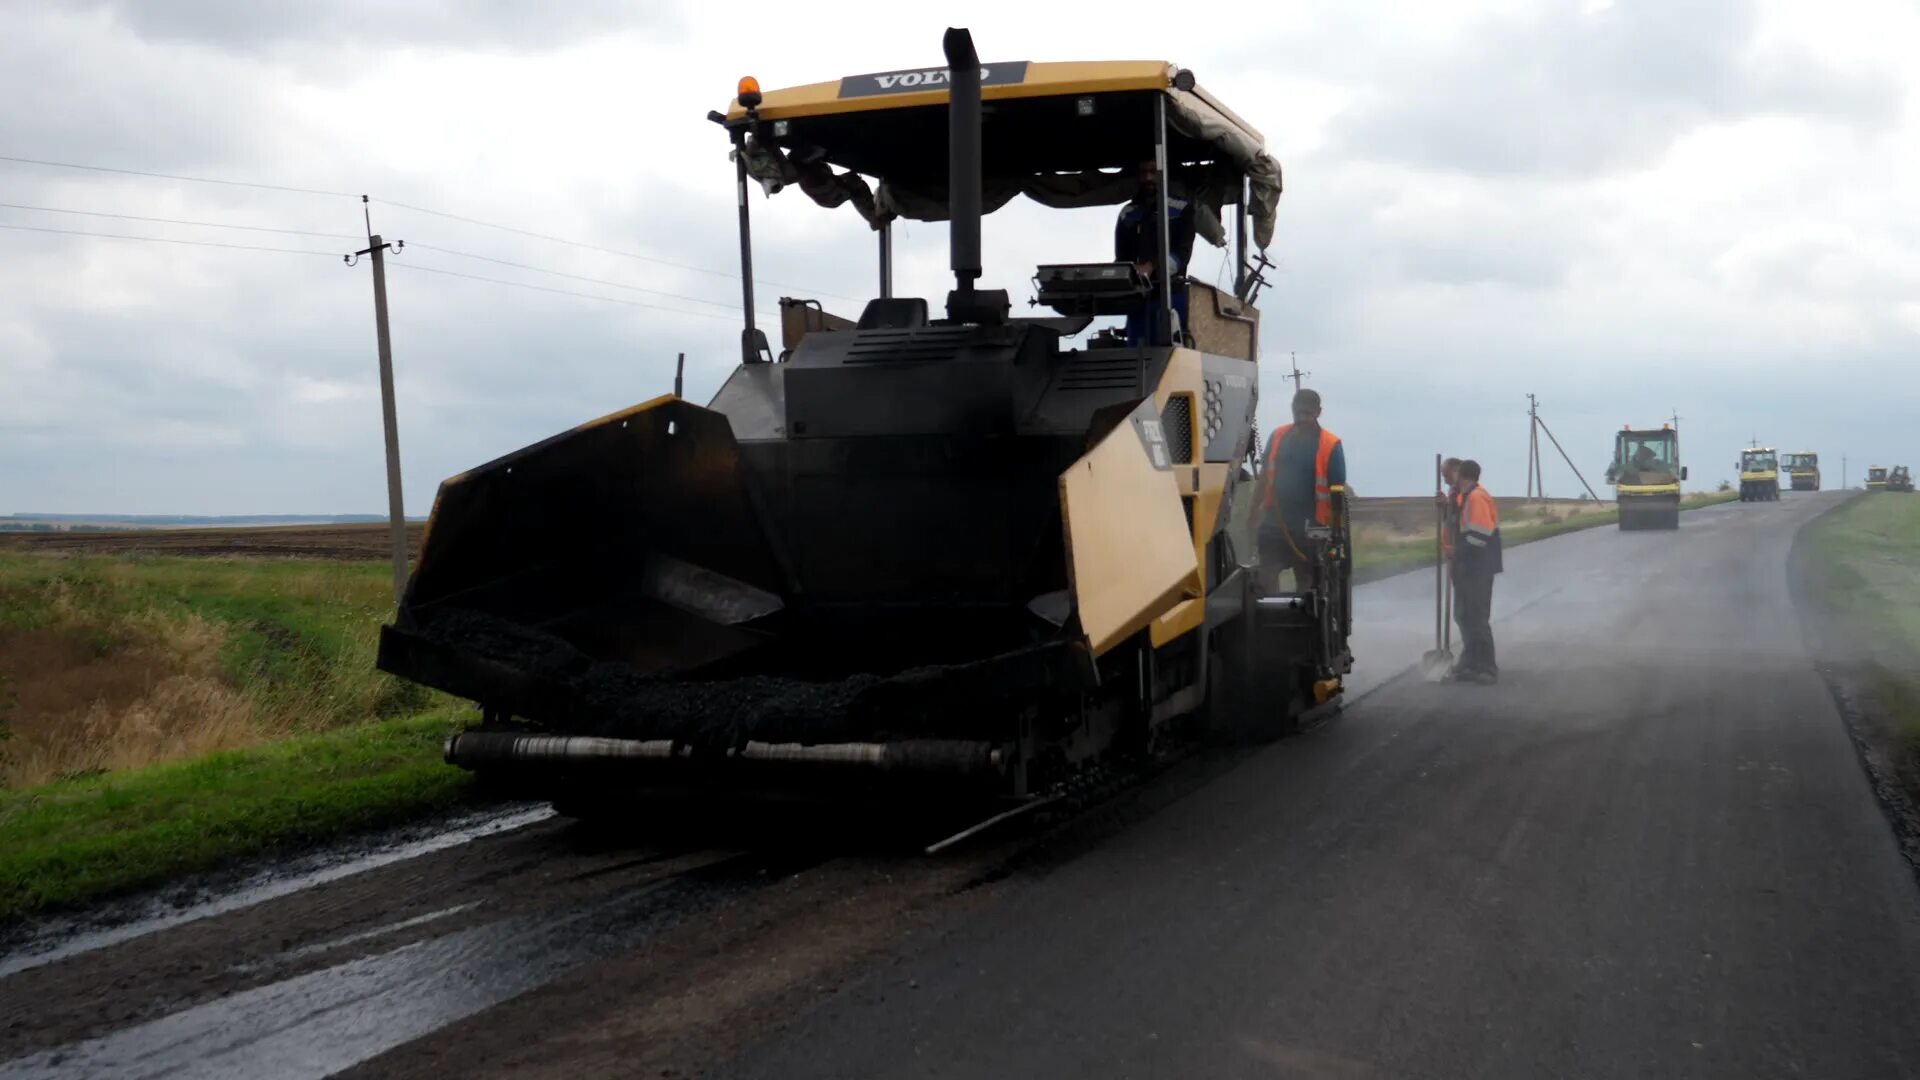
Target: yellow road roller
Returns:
[[1646, 475], [1759, 469]]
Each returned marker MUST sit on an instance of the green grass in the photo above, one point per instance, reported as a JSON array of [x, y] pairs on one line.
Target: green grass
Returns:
[[1867, 569], [75, 840]]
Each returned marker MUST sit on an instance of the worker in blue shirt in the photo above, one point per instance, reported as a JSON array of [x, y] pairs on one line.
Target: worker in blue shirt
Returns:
[[1304, 463], [1136, 240]]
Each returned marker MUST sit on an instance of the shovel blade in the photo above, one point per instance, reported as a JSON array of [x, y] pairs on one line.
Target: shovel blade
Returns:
[[1435, 664]]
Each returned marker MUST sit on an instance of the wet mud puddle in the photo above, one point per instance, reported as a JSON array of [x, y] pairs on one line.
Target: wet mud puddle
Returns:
[[325, 1020], [61, 939]]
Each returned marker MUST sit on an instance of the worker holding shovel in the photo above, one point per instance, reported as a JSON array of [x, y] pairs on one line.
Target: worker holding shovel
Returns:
[[1449, 502], [1476, 558], [1437, 664]]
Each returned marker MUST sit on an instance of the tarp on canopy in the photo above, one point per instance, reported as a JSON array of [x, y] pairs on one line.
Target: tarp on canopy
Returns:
[[1210, 187]]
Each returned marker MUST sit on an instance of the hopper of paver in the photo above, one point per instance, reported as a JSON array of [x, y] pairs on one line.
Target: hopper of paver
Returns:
[[615, 596]]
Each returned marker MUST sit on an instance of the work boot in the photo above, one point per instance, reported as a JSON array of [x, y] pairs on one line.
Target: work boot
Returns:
[[1482, 678]]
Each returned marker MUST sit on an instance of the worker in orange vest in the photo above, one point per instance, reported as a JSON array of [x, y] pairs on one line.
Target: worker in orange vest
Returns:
[[1475, 553], [1304, 463]]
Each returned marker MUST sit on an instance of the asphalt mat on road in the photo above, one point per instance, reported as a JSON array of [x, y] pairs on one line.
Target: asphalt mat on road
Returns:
[[1650, 851]]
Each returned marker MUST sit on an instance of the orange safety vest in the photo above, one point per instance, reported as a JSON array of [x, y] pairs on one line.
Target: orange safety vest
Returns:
[[1322, 488], [1478, 527], [1480, 515]]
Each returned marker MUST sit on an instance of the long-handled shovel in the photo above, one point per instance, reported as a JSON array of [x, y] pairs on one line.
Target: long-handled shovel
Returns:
[[1438, 660]]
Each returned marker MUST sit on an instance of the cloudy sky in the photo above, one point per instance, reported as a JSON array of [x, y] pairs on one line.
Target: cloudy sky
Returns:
[[1628, 208]]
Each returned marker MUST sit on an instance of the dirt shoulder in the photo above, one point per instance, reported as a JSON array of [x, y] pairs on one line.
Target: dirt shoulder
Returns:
[[1855, 575], [343, 542]]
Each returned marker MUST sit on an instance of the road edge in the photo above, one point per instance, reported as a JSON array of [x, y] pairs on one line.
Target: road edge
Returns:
[[1381, 571], [1828, 637]]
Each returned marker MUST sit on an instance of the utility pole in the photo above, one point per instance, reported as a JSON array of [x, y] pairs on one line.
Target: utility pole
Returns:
[[1542, 424], [1297, 373], [1843, 472], [1674, 419], [1536, 479], [396, 504], [1533, 441]]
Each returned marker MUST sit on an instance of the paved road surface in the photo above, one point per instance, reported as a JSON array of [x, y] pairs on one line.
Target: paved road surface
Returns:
[[1649, 852]]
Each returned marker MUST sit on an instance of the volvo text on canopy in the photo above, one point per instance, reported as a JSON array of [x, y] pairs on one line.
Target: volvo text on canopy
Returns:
[[931, 550]]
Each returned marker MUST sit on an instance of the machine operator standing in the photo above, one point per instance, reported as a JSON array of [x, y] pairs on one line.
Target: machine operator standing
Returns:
[[1136, 240], [1304, 463]]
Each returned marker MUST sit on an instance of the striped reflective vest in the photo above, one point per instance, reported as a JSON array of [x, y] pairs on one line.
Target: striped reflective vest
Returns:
[[1477, 532], [1322, 487]]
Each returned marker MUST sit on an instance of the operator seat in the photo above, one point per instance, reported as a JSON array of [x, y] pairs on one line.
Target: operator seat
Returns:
[[894, 313]]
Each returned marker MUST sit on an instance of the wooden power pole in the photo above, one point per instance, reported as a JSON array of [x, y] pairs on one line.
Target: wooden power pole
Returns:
[[389, 415], [1536, 480]]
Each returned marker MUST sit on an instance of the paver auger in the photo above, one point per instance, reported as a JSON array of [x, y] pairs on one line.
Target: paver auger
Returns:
[[909, 553]]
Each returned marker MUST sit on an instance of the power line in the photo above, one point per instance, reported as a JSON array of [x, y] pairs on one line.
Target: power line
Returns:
[[401, 266], [176, 176], [516, 230], [576, 277], [179, 221], [561, 292], [544, 236], [168, 240], [346, 236], [730, 275]]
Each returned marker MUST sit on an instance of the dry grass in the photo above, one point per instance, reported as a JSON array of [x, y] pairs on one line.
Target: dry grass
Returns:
[[163, 714], [108, 664], [88, 695]]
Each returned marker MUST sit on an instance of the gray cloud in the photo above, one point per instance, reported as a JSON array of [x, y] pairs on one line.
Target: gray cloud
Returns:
[[1556, 91], [1459, 236], [79, 90], [245, 25]]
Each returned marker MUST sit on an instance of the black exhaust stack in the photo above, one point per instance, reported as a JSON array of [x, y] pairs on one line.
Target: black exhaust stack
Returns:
[[966, 304]]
